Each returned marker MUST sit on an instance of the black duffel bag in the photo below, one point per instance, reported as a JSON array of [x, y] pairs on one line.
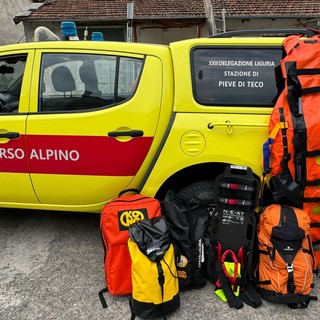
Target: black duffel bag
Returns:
[[188, 220]]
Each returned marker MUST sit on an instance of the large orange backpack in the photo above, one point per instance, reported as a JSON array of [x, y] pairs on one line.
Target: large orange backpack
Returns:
[[286, 260], [294, 140]]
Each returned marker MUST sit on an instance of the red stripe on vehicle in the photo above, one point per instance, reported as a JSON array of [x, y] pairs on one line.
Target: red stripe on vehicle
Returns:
[[74, 155]]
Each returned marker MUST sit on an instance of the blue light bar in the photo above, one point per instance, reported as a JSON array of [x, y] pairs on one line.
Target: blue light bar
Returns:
[[69, 30], [97, 36]]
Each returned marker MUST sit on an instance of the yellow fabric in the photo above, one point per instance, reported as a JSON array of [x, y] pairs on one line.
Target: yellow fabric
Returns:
[[221, 295], [277, 127], [145, 285]]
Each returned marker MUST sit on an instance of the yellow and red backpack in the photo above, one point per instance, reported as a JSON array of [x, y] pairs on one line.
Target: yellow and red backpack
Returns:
[[294, 139], [116, 218]]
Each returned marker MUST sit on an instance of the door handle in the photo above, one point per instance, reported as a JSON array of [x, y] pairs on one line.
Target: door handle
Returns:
[[130, 133], [10, 135]]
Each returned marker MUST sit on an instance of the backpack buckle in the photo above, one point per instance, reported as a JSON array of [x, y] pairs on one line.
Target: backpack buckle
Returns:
[[289, 268]]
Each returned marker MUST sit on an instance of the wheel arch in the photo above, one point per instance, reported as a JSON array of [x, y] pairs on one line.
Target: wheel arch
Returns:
[[200, 172], [189, 175]]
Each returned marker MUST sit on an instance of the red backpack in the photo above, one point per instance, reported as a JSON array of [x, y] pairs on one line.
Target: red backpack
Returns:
[[116, 217], [294, 140]]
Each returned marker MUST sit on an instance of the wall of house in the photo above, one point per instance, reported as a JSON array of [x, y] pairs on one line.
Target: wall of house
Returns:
[[111, 33], [267, 23], [167, 35], [10, 32], [146, 35]]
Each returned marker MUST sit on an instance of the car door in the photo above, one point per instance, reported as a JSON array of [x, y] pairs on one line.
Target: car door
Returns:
[[15, 76], [92, 126]]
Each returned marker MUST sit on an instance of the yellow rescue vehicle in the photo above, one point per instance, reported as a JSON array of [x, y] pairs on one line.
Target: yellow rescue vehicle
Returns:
[[82, 120]]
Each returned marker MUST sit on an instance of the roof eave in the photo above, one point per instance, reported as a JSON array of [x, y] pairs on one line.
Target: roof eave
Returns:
[[269, 17], [112, 20]]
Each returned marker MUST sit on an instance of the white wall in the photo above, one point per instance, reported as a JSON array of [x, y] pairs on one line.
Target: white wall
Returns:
[[167, 35], [10, 32]]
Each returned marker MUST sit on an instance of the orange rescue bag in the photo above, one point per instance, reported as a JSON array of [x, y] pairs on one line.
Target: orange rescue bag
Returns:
[[116, 217], [294, 139]]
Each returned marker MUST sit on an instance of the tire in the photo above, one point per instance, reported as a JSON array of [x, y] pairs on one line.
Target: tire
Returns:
[[201, 189]]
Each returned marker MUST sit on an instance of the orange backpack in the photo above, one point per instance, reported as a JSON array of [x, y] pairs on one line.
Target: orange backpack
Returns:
[[286, 260], [294, 140], [116, 217]]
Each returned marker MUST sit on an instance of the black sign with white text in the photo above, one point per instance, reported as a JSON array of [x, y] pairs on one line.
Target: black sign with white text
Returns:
[[236, 76]]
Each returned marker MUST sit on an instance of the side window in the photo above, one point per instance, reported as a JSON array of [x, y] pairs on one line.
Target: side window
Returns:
[[236, 76], [81, 82], [11, 74]]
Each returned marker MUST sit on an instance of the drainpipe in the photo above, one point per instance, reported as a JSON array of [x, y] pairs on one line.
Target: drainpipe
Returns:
[[223, 15], [210, 19], [129, 21]]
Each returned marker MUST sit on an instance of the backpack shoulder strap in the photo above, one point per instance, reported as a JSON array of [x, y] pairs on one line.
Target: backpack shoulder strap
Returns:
[[102, 298], [250, 296], [231, 283], [233, 300]]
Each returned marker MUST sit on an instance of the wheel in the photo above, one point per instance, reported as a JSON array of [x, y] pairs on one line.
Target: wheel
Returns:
[[201, 189]]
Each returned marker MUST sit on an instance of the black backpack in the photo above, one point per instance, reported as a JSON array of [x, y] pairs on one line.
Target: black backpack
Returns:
[[188, 220]]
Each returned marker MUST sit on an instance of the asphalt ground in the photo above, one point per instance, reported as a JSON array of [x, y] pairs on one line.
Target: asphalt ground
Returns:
[[51, 268]]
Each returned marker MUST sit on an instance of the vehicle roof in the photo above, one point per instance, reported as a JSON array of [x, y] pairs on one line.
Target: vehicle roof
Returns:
[[87, 45], [140, 47]]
